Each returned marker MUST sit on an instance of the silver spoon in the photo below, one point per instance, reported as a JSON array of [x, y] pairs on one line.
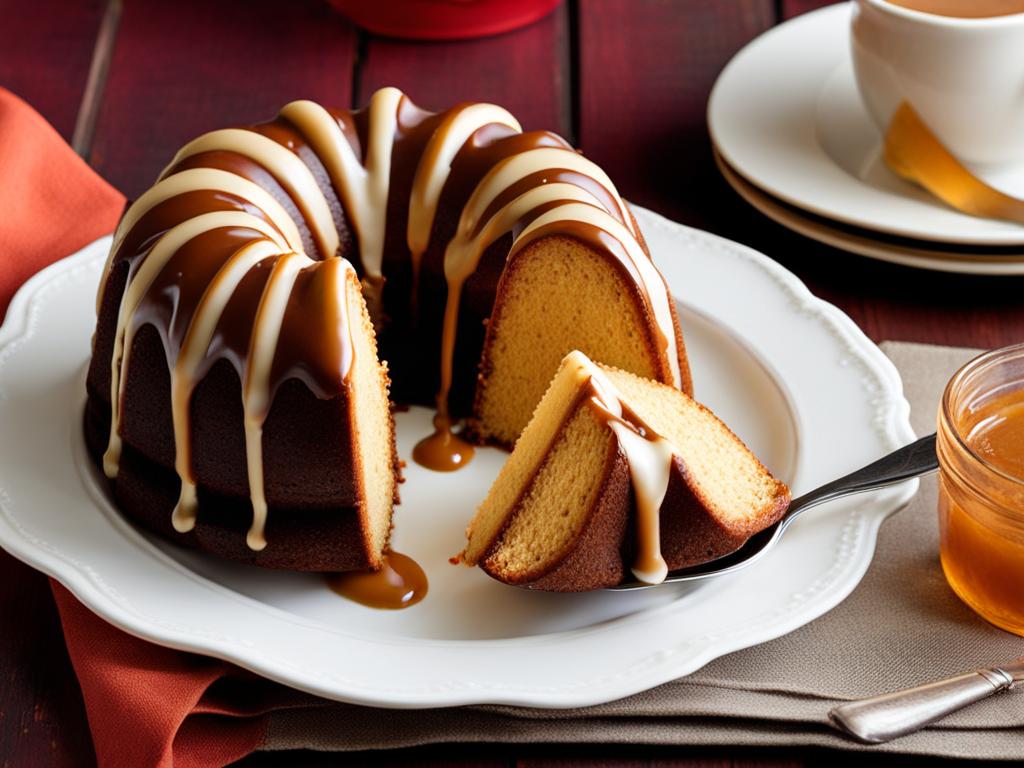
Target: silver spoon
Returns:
[[906, 463], [887, 717]]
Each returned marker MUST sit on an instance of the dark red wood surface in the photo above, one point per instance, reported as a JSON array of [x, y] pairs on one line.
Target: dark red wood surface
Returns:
[[435, 76], [45, 56], [628, 80], [645, 71], [178, 69]]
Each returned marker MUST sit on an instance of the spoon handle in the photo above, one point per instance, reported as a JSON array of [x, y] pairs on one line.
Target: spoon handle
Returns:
[[910, 461], [886, 717]]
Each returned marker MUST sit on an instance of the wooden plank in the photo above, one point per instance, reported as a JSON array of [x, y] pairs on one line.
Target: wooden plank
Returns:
[[433, 756], [45, 60], [891, 302], [184, 67], [645, 71], [888, 301], [46, 54], [42, 717], [526, 71], [790, 8]]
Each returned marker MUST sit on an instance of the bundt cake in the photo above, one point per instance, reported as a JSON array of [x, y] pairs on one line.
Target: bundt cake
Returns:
[[235, 398], [615, 474]]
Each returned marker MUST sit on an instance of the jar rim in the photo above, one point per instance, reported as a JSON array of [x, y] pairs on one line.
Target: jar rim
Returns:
[[968, 368]]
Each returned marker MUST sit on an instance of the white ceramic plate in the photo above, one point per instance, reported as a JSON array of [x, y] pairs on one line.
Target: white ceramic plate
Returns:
[[861, 242], [792, 374], [786, 115]]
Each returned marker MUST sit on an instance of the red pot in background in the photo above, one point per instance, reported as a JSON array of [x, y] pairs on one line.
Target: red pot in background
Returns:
[[443, 19]]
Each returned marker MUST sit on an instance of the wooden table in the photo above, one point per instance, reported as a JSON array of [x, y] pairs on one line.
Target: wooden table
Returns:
[[129, 81]]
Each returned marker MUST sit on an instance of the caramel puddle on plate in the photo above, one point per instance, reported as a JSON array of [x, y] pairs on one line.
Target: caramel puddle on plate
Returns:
[[443, 451], [399, 584]]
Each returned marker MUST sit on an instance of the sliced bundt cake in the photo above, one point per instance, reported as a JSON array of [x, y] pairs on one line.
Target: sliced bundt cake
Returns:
[[617, 473], [229, 406]]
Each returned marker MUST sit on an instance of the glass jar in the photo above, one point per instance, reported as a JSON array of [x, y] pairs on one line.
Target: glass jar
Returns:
[[980, 447]]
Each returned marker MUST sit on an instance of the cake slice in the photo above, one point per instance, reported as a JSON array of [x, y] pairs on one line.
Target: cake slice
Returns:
[[598, 292], [616, 473]]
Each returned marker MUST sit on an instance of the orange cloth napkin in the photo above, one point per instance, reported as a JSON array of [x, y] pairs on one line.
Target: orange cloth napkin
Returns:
[[153, 706], [51, 202], [147, 705]]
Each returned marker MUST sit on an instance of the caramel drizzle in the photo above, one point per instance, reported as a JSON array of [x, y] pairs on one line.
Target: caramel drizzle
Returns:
[[140, 279], [183, 374], [293, 174], [181, 183], [649, 456], [363, 188], [256, 382], [436, 164], [399, 584]]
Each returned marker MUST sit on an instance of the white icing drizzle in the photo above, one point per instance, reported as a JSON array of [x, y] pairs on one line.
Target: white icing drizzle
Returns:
[[193, 348], [363, 188], [649, 465], [436, 165], [649, 457], [383, 126], [139, 283], [463, 253], [284, 165], [654, 288], [255, 386], [514, 168], [216, 180], [193, 180]]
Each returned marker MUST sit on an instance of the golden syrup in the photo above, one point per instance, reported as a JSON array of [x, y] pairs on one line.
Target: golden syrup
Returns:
[[981, 503], [964, 9]]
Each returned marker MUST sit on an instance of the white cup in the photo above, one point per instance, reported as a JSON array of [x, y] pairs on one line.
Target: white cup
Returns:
[[963, 76]]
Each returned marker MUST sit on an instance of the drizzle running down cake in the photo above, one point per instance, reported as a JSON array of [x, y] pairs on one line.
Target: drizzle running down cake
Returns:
[[236, 398], [616, 473]]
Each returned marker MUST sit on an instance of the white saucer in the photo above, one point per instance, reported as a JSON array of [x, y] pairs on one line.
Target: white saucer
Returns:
[[907, 253], [793, 376], [786, 115]]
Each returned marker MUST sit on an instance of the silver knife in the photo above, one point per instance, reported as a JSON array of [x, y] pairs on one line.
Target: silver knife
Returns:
[[886, 717]]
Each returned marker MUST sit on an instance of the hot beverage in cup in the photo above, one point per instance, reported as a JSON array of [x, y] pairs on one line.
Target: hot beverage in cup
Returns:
[[966, 9], [958, 63]]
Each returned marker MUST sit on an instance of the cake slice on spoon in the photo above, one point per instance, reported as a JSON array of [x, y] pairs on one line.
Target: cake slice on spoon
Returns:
[[618, 475]]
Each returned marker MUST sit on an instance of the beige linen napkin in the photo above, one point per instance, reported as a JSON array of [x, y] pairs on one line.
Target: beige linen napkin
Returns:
[[900, 627]]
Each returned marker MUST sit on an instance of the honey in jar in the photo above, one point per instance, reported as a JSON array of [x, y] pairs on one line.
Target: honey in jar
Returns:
[[981, 486]]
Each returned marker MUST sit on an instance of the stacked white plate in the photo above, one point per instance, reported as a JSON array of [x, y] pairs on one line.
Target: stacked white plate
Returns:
[[793, 139]]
